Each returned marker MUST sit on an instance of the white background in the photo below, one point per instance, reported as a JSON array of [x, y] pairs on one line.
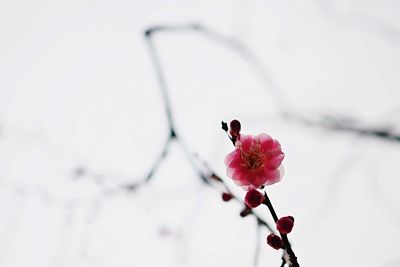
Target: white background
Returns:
[[78, 90]]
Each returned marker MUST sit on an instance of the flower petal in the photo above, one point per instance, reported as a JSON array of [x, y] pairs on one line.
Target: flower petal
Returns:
[[256, 161], [245, 141], [230, 157], [273, 177], [274, 162]]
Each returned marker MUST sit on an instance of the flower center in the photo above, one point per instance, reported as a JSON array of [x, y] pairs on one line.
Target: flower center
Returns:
[[253, 159]]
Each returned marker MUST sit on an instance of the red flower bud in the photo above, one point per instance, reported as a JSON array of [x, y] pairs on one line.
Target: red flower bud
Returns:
[[254, 198], [275, 241], [235, 126], [226, 197], [234, 129], [246, 211], [285, 224]]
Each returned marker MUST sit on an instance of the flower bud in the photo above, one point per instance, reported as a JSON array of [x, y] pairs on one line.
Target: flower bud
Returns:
[[254, 198], [226, 196], [285, 224], [234, 129], [275, 241], [235, 126], [246, 211]]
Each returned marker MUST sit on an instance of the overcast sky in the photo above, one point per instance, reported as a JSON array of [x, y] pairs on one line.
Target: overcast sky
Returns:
[[82, 115]]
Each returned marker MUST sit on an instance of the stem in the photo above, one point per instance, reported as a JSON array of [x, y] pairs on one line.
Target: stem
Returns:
[[257, 250], [161, 81], [292, 256], [283, 262]]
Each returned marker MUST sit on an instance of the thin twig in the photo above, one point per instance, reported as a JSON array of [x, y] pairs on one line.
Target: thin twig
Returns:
[[283, 262], [257, 249], [161, 80], [292, 256]]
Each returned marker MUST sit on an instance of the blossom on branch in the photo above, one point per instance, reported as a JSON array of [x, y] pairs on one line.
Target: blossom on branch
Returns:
[[256, 161]]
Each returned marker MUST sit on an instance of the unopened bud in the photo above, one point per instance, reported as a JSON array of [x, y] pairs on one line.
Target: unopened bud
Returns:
[[285, 224], [234, 129], [254, 198], [275, 241], [226, 196], [246, 211]]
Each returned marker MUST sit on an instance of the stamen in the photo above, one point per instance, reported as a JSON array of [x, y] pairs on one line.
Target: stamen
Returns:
[[253, 159]]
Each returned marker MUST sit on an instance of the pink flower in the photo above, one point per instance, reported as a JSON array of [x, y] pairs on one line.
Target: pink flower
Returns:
[[254, 198], [256, 161]]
